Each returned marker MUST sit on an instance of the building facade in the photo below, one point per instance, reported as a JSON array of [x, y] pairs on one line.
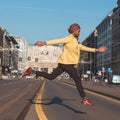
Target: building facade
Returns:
[[4, 51], [116, 40], [88, 59], [104, 38], [22, 53], [7, 43], [108, 34], [43, 58]]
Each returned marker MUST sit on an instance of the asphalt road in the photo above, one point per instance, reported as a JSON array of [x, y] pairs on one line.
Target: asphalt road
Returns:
[[51, 100], [15, 96], [62, 102]]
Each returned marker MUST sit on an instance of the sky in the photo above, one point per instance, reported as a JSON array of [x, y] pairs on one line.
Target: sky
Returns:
[[41, 20]]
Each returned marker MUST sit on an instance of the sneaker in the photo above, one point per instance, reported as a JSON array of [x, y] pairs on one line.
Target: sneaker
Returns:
[[27, 72], [87, 102]]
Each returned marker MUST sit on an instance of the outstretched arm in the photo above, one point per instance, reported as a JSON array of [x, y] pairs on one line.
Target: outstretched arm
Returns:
[[55, 41], [101, 49]]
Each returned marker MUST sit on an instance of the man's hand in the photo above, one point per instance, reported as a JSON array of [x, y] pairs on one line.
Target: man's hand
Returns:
[[102, 49], [39, 43]]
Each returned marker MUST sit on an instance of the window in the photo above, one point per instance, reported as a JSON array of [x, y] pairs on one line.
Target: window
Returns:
[[119, 23], [36, 59], [20, 59], [29, 58]]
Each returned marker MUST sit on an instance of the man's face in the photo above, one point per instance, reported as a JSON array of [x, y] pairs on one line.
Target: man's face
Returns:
[[76, 33]]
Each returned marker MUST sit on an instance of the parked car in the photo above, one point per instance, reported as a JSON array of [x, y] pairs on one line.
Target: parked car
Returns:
[[116, 79], [29, 77]]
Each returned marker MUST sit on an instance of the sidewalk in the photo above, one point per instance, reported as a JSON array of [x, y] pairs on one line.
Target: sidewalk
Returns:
[[101, 88]]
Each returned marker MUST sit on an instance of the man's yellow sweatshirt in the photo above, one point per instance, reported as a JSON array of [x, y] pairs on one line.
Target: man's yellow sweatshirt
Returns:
[[71, 49]]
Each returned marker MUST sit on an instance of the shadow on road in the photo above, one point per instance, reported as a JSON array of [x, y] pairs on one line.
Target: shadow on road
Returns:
[[59, 101]]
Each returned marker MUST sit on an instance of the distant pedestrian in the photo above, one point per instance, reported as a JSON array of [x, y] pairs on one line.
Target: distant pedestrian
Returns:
[[67, 60]]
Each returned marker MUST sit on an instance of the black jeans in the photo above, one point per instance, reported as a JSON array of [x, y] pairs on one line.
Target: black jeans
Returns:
[[69, 68]]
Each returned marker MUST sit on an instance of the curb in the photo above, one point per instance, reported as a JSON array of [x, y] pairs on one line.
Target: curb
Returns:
[[105, 94], [98, 92]]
